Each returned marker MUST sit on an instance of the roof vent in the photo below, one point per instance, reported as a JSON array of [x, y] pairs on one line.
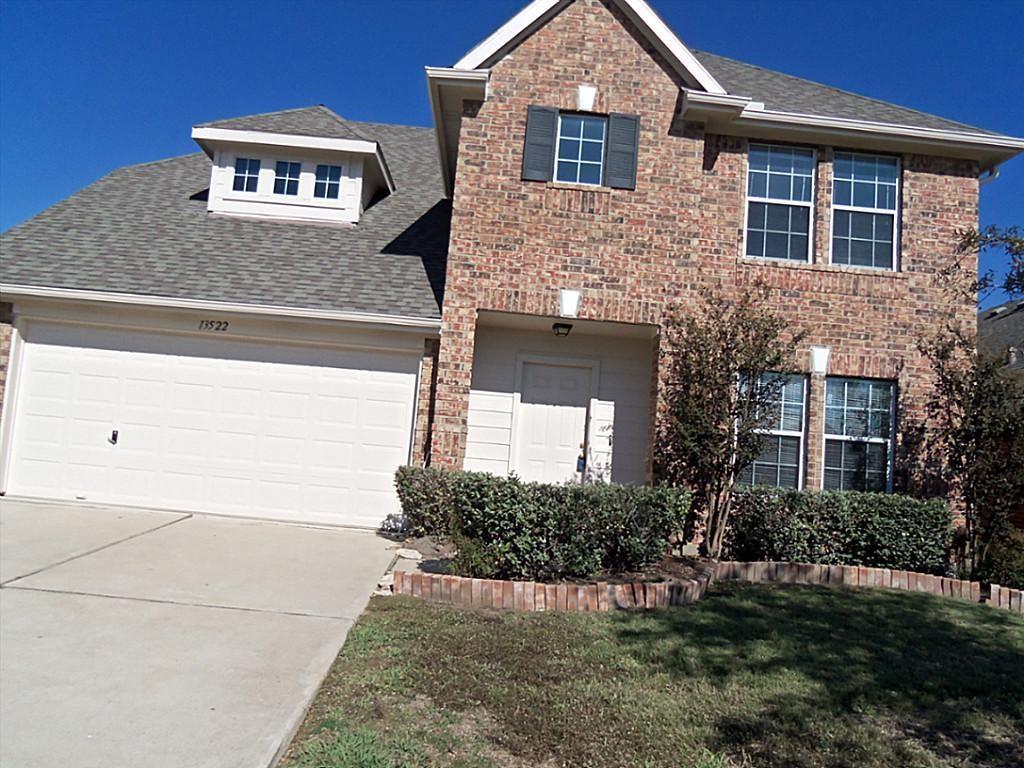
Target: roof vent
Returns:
[[1012, 356]]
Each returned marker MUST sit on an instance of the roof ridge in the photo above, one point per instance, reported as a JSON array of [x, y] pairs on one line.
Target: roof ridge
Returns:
[[839, 90], [345, 122], [274, 112]]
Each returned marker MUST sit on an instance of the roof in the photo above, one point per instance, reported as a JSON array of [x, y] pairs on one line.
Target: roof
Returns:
[[785, 93], [144, 229], [317, 120], [1000, 328]]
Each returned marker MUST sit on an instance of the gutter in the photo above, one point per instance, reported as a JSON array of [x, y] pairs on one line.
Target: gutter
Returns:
[[12, 292]]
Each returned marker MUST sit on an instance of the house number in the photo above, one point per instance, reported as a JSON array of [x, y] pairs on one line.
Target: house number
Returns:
[[213, 325]]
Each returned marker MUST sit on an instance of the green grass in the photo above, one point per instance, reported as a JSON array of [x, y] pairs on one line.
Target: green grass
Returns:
[[750, 676]]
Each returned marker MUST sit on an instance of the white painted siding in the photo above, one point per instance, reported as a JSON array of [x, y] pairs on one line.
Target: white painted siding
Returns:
[[619, 418]]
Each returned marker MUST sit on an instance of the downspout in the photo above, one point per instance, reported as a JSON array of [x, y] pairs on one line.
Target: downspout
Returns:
[[988, 176]]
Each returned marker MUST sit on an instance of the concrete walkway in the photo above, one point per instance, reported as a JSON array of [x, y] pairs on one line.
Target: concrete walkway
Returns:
[[143, 638]]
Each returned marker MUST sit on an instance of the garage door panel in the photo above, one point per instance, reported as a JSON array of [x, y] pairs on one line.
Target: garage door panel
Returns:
[[290, 432]]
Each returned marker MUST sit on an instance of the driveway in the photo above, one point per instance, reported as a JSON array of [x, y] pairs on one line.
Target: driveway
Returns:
[[143, 638]]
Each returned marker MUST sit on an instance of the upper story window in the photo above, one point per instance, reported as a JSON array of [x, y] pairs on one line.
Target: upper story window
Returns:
[[580, 157], [286, 178], [247, 174], [858, 434], [780, 194], [328, 182], [865, 191], [782, 449]]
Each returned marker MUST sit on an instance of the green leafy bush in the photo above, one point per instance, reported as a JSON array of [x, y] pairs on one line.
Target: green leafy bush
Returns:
[[505, 528], [1004, 561], [840, 527]]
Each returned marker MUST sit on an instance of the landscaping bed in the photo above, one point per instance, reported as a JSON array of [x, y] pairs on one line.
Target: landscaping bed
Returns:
[[752, 675]]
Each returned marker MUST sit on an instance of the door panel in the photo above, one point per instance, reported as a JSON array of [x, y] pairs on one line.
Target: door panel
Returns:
[[551, 421]]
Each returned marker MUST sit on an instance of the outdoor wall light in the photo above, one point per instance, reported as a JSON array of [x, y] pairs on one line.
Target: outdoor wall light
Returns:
[[561, 329]]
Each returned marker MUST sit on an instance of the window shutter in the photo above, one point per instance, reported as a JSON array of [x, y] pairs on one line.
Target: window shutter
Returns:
[[620, 159], [539, 152]]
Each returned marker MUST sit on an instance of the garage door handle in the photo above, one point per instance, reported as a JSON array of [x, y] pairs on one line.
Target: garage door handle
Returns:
[[113, 437]]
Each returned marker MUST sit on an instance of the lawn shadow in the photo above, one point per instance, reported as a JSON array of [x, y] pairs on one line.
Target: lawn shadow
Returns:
[[947, 676]]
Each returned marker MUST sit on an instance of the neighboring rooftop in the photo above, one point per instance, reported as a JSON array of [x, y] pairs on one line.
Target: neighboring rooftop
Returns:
[[144, 229], [1001, 329], [785, 93]]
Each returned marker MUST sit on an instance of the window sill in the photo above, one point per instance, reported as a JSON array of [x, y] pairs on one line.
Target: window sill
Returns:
[[578, 187], [815, 267]]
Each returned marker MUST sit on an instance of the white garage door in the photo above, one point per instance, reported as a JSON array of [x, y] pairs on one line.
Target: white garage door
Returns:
[[262, 429]]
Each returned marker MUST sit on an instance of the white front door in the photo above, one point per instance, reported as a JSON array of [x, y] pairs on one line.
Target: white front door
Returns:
[[262, 429], [551, 423]]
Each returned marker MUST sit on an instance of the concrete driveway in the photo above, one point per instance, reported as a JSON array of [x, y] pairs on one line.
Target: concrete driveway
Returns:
[[142, 638]]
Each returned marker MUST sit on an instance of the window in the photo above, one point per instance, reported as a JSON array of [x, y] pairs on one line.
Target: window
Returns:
[[286, 178], [858, 434], [580, 156], [328, 182], [865, 190], [247, 174], [780, 461], [779, 230]]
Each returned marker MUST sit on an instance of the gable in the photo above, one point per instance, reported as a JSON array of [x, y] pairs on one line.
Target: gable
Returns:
[[539, 12]]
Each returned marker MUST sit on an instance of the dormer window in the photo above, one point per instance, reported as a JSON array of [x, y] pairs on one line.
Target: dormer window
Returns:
[[286, 178], [247, 174], [328, 182]]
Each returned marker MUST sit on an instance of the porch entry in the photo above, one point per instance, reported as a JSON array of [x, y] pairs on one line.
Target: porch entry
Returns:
[[552, 420]]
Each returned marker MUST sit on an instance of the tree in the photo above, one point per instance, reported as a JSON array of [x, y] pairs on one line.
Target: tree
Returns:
[[720, 393], [976, 411], [972, 242]]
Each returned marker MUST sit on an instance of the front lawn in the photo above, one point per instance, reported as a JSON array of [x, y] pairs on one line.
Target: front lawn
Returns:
[[750, 676]]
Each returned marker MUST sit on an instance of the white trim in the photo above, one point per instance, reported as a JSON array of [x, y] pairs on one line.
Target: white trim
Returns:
[[895, 212], [36, 292], [889, 442], [437, 78], [10, 401], [579, 161], [801, 478], [519, 26], [811, 205]]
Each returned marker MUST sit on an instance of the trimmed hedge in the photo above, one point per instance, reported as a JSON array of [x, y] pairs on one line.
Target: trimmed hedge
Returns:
[[504, 528], [880, 530]]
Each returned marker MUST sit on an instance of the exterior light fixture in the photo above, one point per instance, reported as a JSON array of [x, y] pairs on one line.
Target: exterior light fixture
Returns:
[[819, 360], [561, 329]]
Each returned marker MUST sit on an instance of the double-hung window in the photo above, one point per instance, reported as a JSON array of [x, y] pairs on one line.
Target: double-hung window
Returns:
[[580, 155], [865, 195], [247, 174], [781, 459], [286, 178], [328, 182], [858, 434], [780, 194]]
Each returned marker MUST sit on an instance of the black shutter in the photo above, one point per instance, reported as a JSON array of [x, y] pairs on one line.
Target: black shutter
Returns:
[[539, 152], [620, 158]]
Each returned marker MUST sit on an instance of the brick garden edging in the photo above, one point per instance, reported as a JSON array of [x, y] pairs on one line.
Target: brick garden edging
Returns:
[[861, 576], [534, 596], [606, 596]]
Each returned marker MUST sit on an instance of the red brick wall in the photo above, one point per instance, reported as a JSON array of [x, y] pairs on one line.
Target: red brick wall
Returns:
[[636, 253], [5, 346], [425, 403]]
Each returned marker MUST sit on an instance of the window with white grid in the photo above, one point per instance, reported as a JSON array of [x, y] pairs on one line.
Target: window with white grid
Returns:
[[247, 174], [780, 195], [858, 434], [580, 156], [328, 182], [865, 198], [780, 462], [286, 178]]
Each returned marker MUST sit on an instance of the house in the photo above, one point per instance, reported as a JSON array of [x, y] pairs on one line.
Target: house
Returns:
[[269, 327], [1001, 334]]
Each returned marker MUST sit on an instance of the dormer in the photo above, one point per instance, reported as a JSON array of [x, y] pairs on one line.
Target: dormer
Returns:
[[305, 164]]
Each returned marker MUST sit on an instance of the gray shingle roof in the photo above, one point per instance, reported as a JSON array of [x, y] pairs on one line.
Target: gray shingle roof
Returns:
[[784, 93], [1000, 328], [317, 120], [144, 229]]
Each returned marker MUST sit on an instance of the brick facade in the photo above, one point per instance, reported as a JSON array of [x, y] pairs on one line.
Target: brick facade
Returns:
[[5, 346], [425, 403], [635, 254]]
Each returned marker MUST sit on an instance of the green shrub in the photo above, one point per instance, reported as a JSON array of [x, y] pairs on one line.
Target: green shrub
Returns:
[[840, 527], [426, 500], [1004, 561], [505, 528]]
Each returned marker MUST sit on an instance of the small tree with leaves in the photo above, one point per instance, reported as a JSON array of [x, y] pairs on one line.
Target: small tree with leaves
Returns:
[[976, 409], [720, 394]]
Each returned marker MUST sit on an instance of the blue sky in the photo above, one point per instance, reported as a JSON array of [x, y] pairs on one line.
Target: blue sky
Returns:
[[88, 86]]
